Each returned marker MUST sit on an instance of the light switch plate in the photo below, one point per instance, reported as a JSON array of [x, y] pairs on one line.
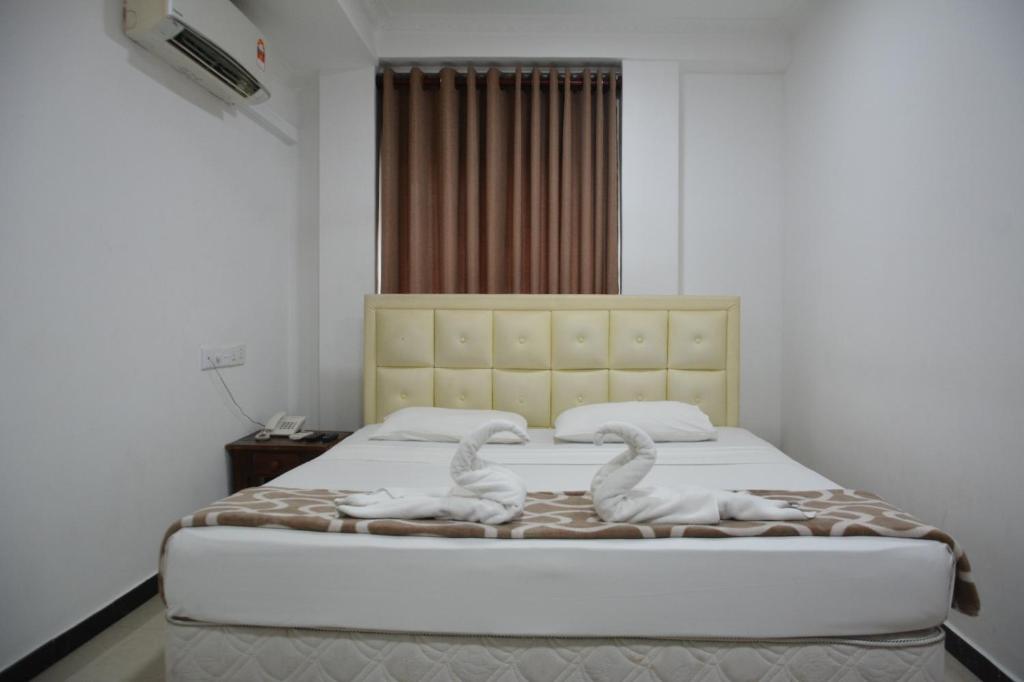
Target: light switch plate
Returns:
[[221, 356]]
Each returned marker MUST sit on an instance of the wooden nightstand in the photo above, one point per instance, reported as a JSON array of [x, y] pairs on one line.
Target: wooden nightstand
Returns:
[[254, 462]]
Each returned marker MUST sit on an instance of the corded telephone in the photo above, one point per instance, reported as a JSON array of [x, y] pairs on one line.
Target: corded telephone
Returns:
[[281, 425]]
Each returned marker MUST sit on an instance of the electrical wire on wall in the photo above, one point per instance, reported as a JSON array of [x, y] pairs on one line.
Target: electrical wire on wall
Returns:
[[232, 396]]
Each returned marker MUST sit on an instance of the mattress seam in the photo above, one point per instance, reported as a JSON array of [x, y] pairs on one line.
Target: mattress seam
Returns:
[[910, 639]]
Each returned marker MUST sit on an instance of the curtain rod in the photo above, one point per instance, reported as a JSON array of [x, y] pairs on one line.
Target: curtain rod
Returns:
[[432, 80]]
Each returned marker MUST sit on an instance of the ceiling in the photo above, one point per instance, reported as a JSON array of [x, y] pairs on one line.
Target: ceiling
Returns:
[[693, 9], [310, 35], [739, 36], [324, 35], [645, 15]]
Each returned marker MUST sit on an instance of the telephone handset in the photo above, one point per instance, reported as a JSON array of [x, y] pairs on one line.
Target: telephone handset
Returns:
[[281, 425]]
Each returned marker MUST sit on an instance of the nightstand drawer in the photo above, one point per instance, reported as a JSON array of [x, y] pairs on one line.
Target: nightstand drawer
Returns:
[[254, 463], [273, 465]]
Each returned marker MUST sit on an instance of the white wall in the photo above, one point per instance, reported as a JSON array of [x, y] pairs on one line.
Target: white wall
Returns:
[[348, 233], [902, 351], [304, 318], [732, 185], [141, 219], [650, 177]]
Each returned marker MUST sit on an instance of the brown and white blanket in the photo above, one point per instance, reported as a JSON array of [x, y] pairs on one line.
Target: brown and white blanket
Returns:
[[571, 515]]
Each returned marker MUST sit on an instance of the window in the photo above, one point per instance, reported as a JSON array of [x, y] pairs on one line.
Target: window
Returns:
[[506, 182]]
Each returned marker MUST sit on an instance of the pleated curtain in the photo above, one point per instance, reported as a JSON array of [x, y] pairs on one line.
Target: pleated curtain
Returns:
[[499, 187]]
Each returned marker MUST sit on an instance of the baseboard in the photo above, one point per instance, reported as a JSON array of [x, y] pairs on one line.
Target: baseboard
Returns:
[[66, 642], [975, 661]]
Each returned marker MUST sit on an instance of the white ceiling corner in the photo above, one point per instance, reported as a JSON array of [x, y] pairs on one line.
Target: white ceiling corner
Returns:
[[315, 35], [704, 35], [667, 13]]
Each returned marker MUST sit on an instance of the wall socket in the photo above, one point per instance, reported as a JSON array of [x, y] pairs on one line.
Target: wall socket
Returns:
[[221, 356]]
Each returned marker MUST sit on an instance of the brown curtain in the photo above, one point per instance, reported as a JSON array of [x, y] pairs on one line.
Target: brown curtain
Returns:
[[499, 183]]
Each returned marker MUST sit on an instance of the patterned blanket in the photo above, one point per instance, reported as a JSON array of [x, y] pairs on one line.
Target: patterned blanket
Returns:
[[570, 515]]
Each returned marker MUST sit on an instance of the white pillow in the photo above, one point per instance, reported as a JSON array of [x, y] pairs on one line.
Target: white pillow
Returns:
[[443, 425], [663, 420]]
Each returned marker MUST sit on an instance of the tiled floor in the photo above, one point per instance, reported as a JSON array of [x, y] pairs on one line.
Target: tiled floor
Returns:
[[130, 649], [133, 650]]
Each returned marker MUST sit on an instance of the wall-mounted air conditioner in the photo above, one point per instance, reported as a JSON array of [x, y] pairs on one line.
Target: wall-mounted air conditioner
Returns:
[[210, 41]]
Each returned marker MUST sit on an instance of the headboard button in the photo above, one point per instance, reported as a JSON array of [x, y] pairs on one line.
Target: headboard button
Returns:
[[462, 339], [579, 399], [639, 339], [402, 396], [639, 396], [579, 339], [522, 339], [697, 339]]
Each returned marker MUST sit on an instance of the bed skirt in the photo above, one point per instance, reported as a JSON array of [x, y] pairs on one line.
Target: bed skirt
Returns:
[[211, 652]]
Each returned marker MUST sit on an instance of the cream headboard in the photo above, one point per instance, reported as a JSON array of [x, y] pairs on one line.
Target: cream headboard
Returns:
[[540, 355]]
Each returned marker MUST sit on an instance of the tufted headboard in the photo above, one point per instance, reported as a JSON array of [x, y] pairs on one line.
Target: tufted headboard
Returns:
[[541, 354]]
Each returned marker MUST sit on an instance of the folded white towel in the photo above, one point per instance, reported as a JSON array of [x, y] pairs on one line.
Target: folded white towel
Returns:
[[618, 500], [484, 492]]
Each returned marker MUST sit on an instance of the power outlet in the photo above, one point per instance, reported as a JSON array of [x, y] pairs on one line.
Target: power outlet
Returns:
[[221, 356]]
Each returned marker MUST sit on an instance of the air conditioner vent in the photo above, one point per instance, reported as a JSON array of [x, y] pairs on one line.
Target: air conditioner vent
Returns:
[[216, 61], [210, 41]]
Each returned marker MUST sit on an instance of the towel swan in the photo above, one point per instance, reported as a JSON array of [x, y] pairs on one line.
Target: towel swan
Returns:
[[618, 500], [484, 492]]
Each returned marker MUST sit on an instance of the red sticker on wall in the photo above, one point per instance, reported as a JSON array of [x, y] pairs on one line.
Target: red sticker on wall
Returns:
[[261, 53]]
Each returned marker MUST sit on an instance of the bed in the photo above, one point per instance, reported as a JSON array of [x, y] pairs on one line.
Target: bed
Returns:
[[276, 604]]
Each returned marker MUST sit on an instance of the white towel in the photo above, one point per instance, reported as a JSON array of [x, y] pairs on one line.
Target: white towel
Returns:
[[484, 492], [618, 500]]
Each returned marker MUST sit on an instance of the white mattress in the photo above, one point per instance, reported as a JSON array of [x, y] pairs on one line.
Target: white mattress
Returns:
[[738, 587]]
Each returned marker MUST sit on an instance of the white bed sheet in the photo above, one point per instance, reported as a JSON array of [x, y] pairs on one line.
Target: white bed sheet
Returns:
[[738, 587]]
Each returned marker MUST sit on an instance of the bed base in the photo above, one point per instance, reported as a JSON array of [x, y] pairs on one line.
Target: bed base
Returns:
[[210, 652]]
